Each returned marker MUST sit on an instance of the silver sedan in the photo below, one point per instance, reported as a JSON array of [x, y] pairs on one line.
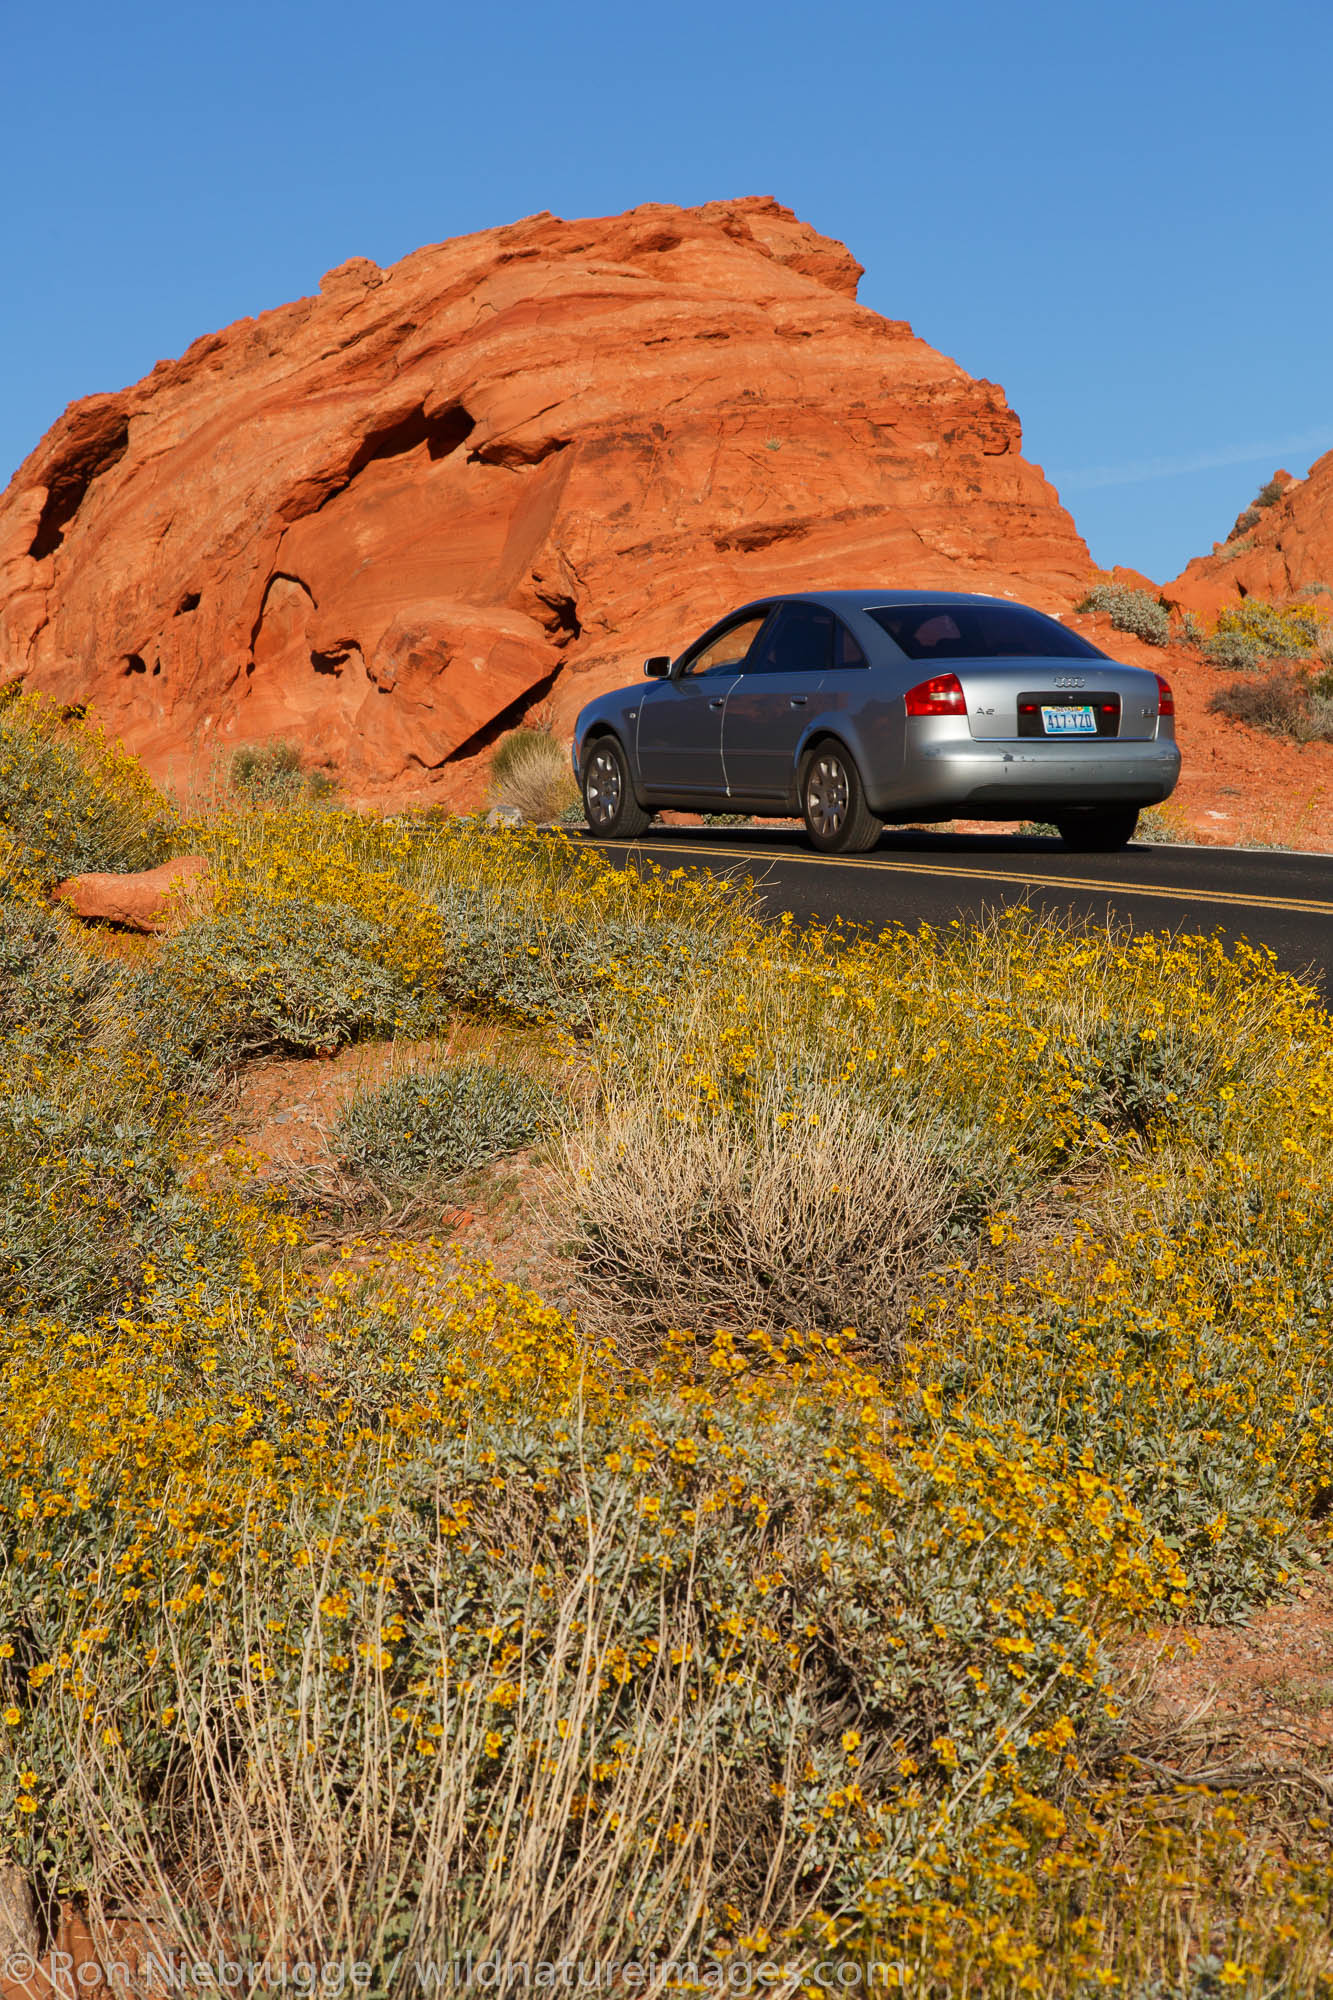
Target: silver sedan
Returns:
[[857, 708]]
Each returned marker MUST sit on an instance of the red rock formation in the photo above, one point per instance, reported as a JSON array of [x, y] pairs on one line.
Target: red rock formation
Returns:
[[507, 468], [151, 899], [1276, 552]]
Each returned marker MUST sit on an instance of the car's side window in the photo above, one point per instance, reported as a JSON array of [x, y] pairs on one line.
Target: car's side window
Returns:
[[728, 649], [799, 641], [846, 650]]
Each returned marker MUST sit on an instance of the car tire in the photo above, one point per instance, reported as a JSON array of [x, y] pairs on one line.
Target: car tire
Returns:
[[609, 804], [833, 802], [1098, 832]]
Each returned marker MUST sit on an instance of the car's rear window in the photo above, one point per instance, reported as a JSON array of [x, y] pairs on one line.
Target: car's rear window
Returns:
[[979, 632]]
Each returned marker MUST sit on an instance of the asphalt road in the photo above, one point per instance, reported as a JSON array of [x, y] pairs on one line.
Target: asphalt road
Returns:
[[1284, 901]]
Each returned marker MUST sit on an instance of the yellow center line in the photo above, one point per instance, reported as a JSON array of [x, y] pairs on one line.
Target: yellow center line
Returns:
[[1304, 906]]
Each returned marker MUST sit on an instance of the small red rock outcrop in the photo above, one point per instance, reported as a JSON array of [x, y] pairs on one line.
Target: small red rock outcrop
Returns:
[[1276, 552], [501, 471], [154, 899]]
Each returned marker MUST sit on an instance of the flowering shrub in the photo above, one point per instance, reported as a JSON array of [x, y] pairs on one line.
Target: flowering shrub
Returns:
[[801, 1638], [71, 800], [1255, 630], [47, 985], [370, 1602], [331, 927], [282, 975]]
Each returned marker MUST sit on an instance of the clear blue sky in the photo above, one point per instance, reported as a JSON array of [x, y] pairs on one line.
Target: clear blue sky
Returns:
[[1122, 213]]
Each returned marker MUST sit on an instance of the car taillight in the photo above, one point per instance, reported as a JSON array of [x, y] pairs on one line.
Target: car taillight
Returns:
[[1166, 701], [942, 694]]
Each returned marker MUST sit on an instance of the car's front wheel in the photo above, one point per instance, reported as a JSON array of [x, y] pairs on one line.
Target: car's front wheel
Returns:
[[1098, 832], [609, 803], [833, 803]]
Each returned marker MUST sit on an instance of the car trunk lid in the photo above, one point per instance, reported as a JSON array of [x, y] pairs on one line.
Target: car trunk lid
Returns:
[[1068, 700]]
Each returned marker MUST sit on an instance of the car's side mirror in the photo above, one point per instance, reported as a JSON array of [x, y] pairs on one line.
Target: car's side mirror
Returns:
[[658, 667]]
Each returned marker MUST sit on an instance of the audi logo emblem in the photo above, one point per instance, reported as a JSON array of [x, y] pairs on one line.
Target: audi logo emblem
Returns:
[[1070, 681]]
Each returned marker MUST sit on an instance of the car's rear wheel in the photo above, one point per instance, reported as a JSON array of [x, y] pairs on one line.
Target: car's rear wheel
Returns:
[[1098, 831], [833, 803], [609, 804]]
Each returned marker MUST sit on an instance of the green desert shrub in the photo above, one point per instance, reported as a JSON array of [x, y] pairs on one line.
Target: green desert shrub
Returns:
[[544, 965], [1320, 718], [296, 978], [94, 1206], [1143, 1081], [48, 986], [1250, 517], [436, 1124], [70, 800], [1162, 827], [428, 916], [1135, 611], [531, 775], [1238, 652], [274, 774]]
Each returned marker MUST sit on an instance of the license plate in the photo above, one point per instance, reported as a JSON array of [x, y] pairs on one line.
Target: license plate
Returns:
[[1069, 721]]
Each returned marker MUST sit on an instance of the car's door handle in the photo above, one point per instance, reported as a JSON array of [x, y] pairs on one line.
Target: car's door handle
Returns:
[[799, 700], [720, 701]]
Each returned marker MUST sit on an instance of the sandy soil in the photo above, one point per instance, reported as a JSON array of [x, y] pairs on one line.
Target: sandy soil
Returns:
[[1258, 1695]]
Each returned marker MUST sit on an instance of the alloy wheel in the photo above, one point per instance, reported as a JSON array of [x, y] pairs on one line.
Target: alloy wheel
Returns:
[[602, 788], [826, 794]]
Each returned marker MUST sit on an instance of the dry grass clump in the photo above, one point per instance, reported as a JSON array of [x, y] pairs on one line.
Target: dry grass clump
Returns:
[[531, 775], [794, 1210], [417, 1831], [1284, 701]]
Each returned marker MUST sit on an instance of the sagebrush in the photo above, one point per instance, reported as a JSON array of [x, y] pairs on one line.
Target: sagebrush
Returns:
[[1129, 610]]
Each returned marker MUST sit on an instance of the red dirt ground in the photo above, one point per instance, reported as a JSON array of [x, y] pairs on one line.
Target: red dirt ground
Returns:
[[1264, 1689]]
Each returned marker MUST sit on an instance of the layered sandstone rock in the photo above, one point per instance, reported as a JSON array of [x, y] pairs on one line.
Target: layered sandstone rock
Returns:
[[1279, 551], [375, 521]]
